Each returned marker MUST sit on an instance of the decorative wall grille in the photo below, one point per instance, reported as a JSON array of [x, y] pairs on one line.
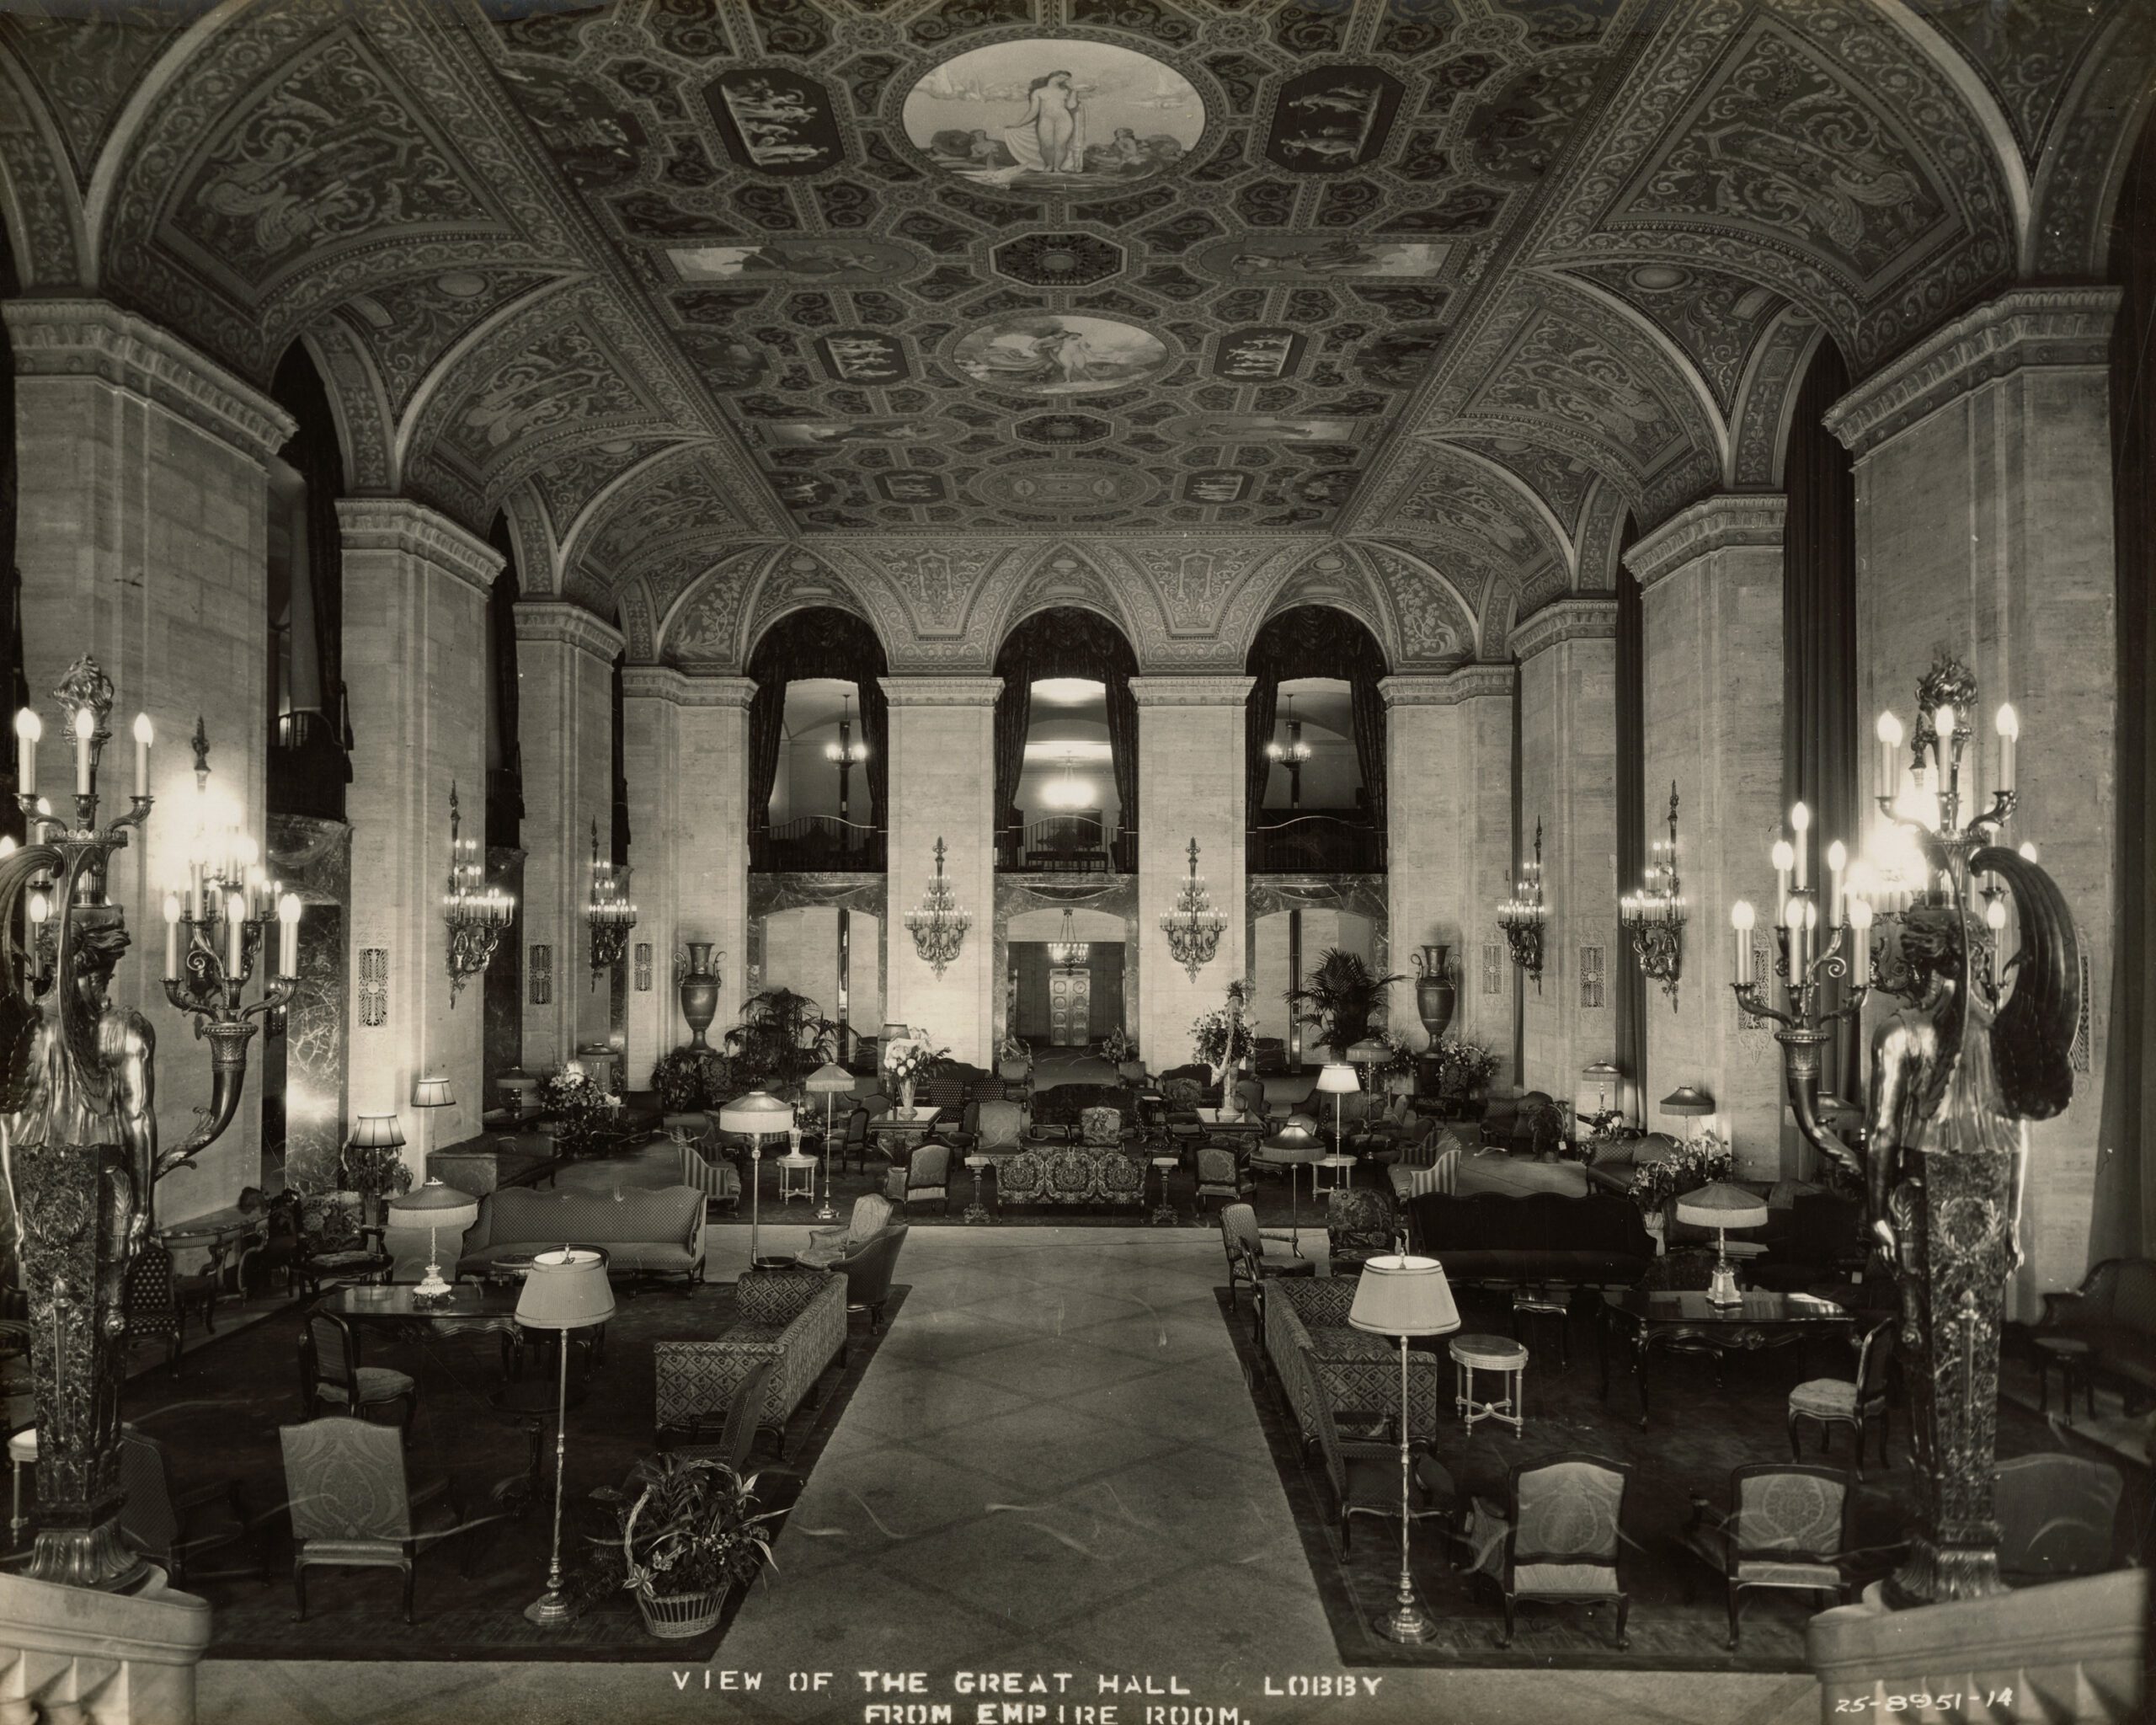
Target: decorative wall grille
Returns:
[[644, 967], [1493, 967], [374, 986], [1594, 991], [2081, 1052], [543, 976]]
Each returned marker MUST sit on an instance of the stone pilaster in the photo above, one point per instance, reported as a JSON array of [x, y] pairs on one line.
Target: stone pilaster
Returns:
[[416, 590], [1190, 786], [1712, 612], [1567, 655], [685, 751], [942, 786], [1449, 810], [143, 541], [1983, 513], [565, 724]]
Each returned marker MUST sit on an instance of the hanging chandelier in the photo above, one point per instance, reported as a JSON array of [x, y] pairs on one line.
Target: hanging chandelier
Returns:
[[1523, 914], [939, 927], [1193, 926], [1069, 949], [610, 912], [1294, 751], [1654, 916], [474, 913], [1066, 790]]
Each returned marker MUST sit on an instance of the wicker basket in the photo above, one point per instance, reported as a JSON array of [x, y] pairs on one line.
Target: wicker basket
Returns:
[[678, 1616]]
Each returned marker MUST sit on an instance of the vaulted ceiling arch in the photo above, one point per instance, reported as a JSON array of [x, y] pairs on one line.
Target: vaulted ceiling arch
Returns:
[[1708, 423], [39, 200], [359, 401], [790, 578], [1058, 574], [1340, 579], [2090, 144], [648, 465]]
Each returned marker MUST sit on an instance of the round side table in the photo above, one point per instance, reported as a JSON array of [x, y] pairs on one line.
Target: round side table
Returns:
[[796, 1178], [977, 1211], [1488, 1354], [1343, 1176], [1163, 1211]]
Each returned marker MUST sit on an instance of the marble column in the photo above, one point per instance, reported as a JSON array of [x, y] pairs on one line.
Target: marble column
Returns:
[[416, 590], [565, 725], [1983, 515], [1448, 808], [686, 752], [1712, 616], [1190, 786], [143, 541], [1567, 655], [942, 786]]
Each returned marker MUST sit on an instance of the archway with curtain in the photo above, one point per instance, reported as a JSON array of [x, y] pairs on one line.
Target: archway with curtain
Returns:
[[1342, 827], [817, 646], [1065, 644]]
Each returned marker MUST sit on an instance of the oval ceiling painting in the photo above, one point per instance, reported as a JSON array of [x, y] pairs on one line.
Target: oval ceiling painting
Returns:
[[1044, 115], [1059, 353]]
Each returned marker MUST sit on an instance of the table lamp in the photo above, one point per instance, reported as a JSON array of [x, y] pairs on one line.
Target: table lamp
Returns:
[[1690, 1103], [1339, 1080], [1722, 1205], [565, 1291], [431, 1093], [827, 1081], [756, 1116], [1403, 1296], [376, 1132], [433, 1207]]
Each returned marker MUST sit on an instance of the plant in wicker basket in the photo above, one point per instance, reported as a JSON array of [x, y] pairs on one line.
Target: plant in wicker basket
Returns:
[[687, 1533], [689, 1078], [578, 1106]]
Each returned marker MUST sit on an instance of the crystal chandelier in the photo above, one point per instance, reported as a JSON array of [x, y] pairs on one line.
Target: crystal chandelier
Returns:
[[1193, 926], [474, 913], [939, 927], [1067, 791], [1292, 754], [1655, 914], [845, 753], [610, 911], [1069, 949], [1524, 916]]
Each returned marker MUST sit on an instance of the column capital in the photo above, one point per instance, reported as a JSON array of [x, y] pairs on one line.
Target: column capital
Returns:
[[1466, 682], [1574, 619], [1192, 690], [2053, 327], [86, 337], [1754, 519], [702, 691], [399, 524], [941, 691], [568, 625]]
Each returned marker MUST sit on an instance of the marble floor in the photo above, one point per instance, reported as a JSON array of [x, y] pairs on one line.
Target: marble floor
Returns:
[[1053, 1467]]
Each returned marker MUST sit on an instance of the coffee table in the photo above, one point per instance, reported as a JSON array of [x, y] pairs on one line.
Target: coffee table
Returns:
[[1643, 1320]]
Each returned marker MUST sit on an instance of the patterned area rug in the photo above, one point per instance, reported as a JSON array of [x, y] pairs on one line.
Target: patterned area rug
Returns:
[[221, 1421]]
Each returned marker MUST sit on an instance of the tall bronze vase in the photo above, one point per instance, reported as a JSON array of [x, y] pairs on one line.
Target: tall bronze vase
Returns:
[[1437, 994], [700, 993]]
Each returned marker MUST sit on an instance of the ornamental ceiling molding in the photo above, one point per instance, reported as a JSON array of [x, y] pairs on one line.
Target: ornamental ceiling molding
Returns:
[[679, 492], [409, 528], [941, 690], [1594, 570], [2089, 148], [1575, 619], [2066, 328], [1340, 578], [1714, 524], [634, 609], [700, 617], [1230, 691], [557, 623], [358, 404], [1676, 362], [793, 579], [1766, 400], [95, 339], [1059, 574], [537, 562], [1475, 682], [38, 197]]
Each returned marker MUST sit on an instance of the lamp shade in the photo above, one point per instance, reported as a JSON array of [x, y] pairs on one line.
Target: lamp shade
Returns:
[[758, 1114], [830, 1080], [1404, 1296], [434, 1205], [1722, 1205], [1686, 1100], [566, 1291], [1338, 1078], [377, 1132], [431, 1093], [1601, 1087], [1369, 1051], [1300, 1123], [1292, 1140]]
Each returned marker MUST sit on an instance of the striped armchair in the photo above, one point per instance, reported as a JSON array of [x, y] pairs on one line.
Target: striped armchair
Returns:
[[1429, 1162], [793, 1318]]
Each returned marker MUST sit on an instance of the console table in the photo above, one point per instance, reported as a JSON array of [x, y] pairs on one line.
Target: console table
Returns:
[[1643, 1320]]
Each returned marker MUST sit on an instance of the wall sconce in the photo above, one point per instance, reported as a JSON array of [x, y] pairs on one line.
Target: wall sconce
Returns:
[[939, 927], [1655, 914], [474, 913], [610, 912], [1524, 916], [1193, 926]]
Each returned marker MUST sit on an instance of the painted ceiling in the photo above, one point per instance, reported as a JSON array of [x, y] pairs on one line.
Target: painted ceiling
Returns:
[[1223, 304]]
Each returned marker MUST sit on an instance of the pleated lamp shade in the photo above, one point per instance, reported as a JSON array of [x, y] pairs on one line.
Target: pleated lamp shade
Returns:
[[431, 1093], [1404, 1296], [566, 1291], [1338, 1078], [758, 1114], [1292, 1140], [377, 1132], [434, 1205], [1722, 1205], [831, 1079]]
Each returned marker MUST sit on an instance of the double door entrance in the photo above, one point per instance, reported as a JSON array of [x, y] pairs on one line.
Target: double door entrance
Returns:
[[1070, 1006]]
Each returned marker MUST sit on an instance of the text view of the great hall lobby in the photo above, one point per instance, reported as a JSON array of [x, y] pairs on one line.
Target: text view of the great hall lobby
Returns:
[[1428, 721]]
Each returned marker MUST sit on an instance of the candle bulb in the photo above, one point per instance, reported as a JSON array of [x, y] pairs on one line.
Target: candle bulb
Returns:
[[2009, 725], [172, 937], [142, 737], [1741, 918], [1800, 821], [85, 731], [235, 936], [1889, 733], [1783, 856], [1838, 859], [1942, 744], [195, 891], [29, 727], [288, 935], [40, 908]]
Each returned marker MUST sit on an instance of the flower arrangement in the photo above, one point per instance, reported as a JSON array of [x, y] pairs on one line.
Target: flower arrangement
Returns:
[[1465, 1067], [687, 1079], [1118, 1048], [1707, 1158], [1014, 1049], [1399, 1060], [576, 1104], [1209, 1031], [907, 1060], [686, 1531]]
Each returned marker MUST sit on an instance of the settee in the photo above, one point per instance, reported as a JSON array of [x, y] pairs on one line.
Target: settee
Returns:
[[646, 1231], [1497, 1239], [794, 1318], [1315, 1352], [1072, 1173], [2114, 1311]]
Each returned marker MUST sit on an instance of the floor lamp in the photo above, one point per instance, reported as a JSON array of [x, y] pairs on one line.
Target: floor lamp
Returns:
[[827, 1081], [565, 1291], [1339, 1082], [756, 1116], [1294, 1146], [1403, 1296]]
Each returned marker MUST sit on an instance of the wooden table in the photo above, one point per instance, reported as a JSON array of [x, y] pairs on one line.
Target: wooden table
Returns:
[[890, 1129], [469, 1308], [1644, 1320]]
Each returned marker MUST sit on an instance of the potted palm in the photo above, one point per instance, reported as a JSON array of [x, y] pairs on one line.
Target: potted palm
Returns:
[[688, 1533], [781, 1038], [1339, 997]]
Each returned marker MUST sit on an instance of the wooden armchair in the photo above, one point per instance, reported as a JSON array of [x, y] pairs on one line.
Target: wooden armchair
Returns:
[[352, 1505], [1557, 1539], [867, 1271], [738, 1423], [1853, 1402], [926, 1175], [1787, 1526], [1244, 1242], [332, 1377], [173, 1528], [1222, 1173]]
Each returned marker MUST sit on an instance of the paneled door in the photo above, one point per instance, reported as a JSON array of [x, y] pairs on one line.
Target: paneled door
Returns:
[[1070, 1006]]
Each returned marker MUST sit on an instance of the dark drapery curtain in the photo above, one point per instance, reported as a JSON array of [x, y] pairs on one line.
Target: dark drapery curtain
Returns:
[[310, 761], [1316, 641], [1122, 758], [1520, 853], [1819, 717], [620, 853], [1014, 713], [2124, 1223], [1065, 641], [817, 642], [13, 685], [1631, 993], [504, 755]]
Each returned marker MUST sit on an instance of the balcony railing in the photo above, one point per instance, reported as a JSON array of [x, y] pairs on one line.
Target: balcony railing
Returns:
[[818, 843], [1066, 844], [1314, 844], [308, 768]]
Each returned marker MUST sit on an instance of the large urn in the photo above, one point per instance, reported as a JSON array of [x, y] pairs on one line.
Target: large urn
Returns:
[[1437, 994], [699, 992]]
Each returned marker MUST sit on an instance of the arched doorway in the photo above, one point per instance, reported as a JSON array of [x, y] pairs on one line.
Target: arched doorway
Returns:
[[1066, 746]]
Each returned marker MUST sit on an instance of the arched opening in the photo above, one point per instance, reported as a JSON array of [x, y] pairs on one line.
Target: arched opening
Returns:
[[1314, 741], [1066, 746], [818, 735], [311, 739]]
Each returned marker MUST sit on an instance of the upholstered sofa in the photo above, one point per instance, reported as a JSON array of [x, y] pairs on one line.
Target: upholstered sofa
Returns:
[[794, 1318], [646, 1231], [1314, 1352], [1072, 1173], [1542, 1237]]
